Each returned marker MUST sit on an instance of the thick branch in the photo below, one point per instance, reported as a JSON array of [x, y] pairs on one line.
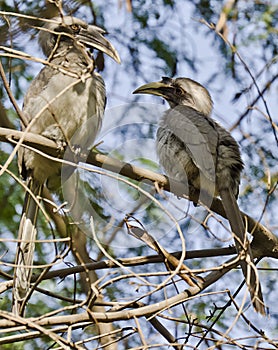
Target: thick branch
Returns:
[[134, 261], [112, 316], [265, 243]]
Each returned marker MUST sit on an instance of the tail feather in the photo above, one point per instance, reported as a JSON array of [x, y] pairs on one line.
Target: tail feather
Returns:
[[25, 249], [242, 244]]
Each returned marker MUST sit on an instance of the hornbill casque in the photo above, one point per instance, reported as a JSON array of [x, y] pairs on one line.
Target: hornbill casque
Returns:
[[60, 101], [196, 150]]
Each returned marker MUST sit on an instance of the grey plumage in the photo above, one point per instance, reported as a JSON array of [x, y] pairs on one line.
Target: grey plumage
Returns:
[[65, 97], [196, 150]]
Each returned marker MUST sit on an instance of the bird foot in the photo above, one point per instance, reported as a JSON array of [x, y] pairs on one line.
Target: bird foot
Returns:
[[61, 145], [78, 152]]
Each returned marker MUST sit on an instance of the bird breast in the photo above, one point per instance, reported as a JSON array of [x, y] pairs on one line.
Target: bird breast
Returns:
[[65, 109], [175, 158]]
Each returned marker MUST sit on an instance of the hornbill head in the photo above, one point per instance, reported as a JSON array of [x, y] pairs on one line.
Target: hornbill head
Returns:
[[180, 91], [73, 30]]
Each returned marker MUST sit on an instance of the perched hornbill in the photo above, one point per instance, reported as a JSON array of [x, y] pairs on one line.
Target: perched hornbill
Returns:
[[60, 101], [197, 151]]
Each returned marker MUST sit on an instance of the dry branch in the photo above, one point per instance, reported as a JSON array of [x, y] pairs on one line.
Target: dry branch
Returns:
[[264, 244], [112, 316]]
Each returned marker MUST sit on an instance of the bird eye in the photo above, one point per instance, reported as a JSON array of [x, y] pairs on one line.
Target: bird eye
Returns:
[[179, 91], [75, 27]]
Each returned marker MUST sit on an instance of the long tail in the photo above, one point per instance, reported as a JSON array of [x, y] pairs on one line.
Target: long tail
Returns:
[[247, 265], [25, 249]]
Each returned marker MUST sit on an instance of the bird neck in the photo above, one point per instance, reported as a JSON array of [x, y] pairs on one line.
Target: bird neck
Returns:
[[72, 57]]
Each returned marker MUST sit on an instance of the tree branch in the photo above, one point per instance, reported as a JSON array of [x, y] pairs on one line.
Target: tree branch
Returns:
[[264, 244], [112, 316]]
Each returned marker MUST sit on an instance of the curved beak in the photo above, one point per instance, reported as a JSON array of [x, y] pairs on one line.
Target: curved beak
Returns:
[[158, 88], [93, 37]]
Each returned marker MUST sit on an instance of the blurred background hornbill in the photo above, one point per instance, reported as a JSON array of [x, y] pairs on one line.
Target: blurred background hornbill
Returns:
[[65, 95], [197, 151]]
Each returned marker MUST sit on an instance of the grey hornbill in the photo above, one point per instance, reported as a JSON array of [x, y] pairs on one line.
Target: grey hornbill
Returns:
[[61, 100], [197, 151]]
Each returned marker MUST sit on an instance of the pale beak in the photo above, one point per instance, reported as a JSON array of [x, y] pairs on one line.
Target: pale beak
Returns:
[[92, 36], [157, 88]]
